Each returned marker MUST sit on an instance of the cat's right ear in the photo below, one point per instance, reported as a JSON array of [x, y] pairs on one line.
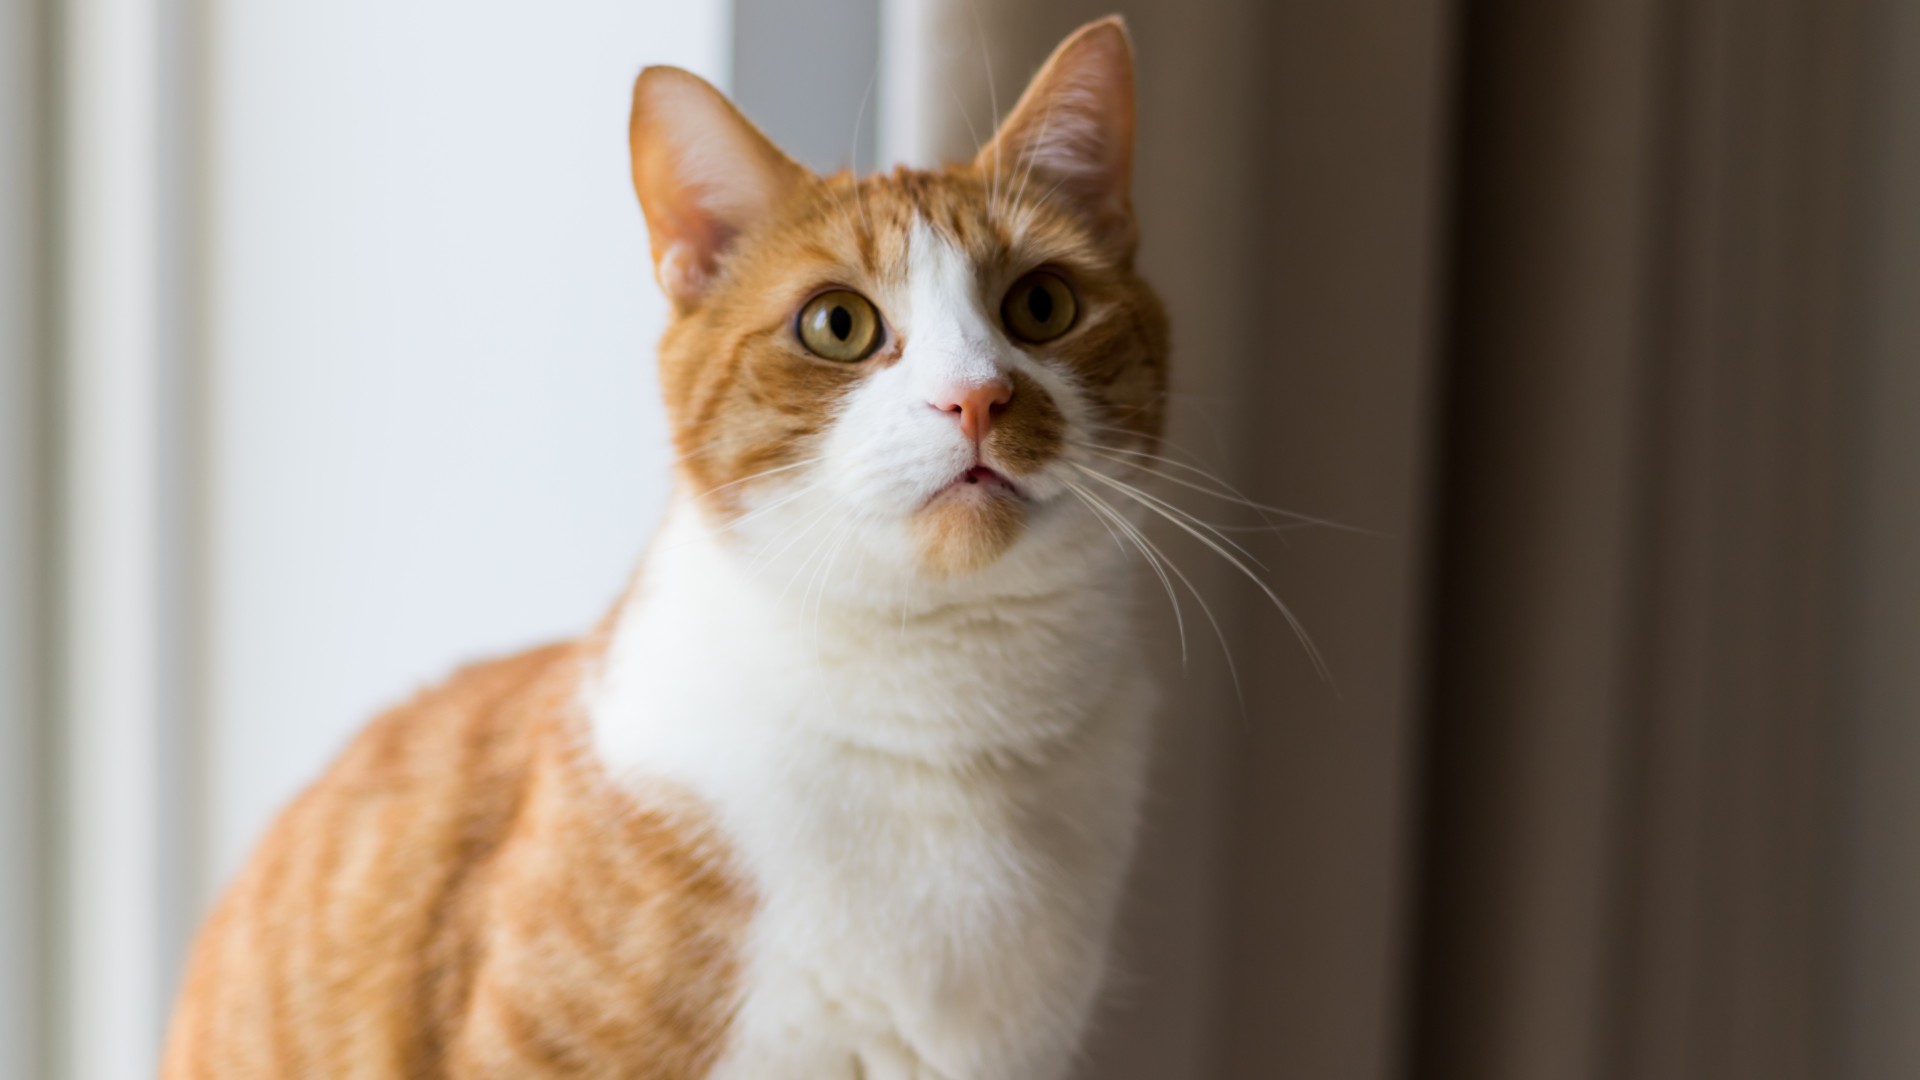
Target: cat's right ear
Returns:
[[704, 175]]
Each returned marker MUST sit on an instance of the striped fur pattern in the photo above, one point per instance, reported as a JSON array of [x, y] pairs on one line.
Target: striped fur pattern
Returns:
[[846, 784]]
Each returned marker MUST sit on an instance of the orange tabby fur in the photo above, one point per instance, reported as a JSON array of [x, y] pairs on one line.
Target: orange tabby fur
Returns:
[[465, 892]]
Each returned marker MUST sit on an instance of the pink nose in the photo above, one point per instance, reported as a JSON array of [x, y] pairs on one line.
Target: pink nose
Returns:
[[975, 404]]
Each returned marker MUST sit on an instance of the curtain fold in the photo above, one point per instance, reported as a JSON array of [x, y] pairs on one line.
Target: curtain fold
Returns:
[[1635, 715], [1551, 233]]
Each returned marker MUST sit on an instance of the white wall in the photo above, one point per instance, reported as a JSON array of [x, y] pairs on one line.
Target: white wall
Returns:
[[434, 430], [808, 73]]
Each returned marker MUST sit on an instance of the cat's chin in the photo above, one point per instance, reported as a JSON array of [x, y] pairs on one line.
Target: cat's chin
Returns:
[[970, 523]]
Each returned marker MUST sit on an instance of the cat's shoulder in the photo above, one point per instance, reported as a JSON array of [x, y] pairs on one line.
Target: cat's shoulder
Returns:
[[485, 716]]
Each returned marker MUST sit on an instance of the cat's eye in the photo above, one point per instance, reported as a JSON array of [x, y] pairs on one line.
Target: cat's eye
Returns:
[[1039, 307], [840, 325]]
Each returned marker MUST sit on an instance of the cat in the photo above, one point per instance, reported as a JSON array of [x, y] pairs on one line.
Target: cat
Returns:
[[846, 784]]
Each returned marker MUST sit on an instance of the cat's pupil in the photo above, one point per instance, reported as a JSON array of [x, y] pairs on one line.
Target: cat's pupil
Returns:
[[1040, 304], [840, 321]]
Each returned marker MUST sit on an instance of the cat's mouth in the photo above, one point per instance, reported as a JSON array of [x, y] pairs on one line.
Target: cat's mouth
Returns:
[[982, 480], [971, 521]]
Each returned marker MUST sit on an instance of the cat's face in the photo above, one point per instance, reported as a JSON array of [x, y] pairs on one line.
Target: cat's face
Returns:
[[918, 368]]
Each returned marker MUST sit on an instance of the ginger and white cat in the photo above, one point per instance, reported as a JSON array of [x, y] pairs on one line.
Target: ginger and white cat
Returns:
[[846, 784]]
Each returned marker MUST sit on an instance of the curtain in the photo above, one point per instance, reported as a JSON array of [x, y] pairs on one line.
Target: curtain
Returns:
[[1600, 316]]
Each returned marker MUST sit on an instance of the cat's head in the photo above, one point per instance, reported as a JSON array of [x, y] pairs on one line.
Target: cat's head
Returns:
[[922, 366]]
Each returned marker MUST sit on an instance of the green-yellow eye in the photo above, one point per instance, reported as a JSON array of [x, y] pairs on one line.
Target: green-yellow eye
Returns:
[[1039, 307], [840, 325]]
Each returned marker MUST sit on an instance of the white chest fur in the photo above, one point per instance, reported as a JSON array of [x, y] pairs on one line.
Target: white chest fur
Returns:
[[935, 809]]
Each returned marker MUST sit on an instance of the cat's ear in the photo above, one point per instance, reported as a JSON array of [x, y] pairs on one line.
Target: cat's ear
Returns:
[[1072, 132], [704, 175]]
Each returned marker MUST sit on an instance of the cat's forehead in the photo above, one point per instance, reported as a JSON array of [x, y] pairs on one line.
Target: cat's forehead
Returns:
[[868, 225]]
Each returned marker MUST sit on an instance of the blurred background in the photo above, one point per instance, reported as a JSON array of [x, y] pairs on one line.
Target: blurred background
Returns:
[[325, 363]]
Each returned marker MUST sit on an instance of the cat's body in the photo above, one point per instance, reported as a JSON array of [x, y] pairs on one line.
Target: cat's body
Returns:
[[936, 856], [846, 785]]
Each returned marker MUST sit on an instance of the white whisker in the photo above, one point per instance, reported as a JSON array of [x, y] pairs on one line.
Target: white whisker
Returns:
[[1101, 509], [801, 464], [1299, 631], [993, 102], [1117, 542], [1219, 634], [1029, 156], [825, 578], [769, 508], [769, 556], [1164, 508], [1231, 493], [812, 553], [853, 156]]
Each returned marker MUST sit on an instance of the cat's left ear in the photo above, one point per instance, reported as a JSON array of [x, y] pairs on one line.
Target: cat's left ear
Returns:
[[705, 176], [1072, 132]]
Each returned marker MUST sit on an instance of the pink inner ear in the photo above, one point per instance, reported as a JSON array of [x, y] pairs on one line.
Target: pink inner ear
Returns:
[[1074, 125], [687, 253], [704, 175], [683, 275]]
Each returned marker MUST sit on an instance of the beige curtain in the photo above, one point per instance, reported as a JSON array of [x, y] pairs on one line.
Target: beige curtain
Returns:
[[1601, 314]]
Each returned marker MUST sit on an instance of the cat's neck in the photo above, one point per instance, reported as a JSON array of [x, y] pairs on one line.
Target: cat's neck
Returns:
[[706, 640]]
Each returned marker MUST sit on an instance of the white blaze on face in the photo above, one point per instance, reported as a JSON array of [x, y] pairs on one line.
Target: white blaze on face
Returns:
[[952, 342], [891, 448]]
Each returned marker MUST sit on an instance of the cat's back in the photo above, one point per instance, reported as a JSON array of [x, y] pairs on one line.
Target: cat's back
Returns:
[[318, 950], [399, 917], [350, 932]]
